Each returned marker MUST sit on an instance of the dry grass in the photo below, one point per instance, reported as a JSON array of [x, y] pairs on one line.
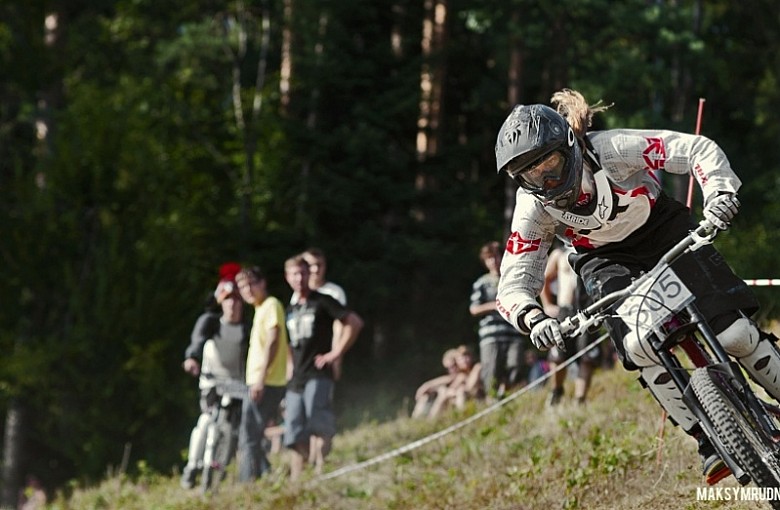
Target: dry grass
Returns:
[[601, 456]]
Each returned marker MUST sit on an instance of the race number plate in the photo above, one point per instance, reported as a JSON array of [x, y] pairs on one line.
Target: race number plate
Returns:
[[660, 295]]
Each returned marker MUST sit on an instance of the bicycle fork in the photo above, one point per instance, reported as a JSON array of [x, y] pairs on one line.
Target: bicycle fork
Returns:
[[681, 379], [212, 438]]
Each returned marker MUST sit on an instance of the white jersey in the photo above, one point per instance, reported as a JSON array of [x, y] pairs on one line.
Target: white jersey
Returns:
[[328, 288], [620, 195], [335, 291]]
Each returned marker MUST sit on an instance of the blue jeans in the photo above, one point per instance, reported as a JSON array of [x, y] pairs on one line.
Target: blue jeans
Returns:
[[255, 416]]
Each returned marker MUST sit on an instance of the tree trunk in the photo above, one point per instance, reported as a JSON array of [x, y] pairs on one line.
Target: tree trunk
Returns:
[[13, 457], [311, 116], [247, 28], [286, 65], [432, 76], [54, 25]]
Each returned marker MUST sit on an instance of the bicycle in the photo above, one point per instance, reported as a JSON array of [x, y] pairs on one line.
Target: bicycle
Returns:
[[222, 431], [742, 426]]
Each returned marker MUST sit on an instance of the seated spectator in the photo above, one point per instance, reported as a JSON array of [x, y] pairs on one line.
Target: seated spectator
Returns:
[[465, 385], [426, 394]]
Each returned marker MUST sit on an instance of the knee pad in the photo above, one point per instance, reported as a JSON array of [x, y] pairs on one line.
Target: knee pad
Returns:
[[662, 387], [741, 338], [639, 351]]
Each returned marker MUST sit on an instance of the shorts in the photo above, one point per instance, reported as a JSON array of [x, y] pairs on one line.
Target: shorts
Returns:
[[310, 412]]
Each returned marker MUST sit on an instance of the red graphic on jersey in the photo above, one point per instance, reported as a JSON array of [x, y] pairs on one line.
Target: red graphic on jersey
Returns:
[[655, 154], [516, 244], [577, 240], [700, 174], [633, 193], [502, 309], [584, 199]]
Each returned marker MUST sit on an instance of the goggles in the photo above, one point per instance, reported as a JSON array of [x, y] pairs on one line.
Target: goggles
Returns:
[[544, 174]]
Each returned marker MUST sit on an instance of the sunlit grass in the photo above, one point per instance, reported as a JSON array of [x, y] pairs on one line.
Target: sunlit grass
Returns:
[[607, 454]]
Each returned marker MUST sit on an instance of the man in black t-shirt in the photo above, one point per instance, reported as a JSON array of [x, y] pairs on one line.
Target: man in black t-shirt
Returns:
[[310, 423]]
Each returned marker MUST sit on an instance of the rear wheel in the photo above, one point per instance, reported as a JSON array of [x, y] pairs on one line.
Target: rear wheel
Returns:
[[755, 452]]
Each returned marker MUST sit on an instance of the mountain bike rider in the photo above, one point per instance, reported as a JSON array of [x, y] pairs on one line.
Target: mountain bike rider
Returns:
[[597, 191], [220, 341]]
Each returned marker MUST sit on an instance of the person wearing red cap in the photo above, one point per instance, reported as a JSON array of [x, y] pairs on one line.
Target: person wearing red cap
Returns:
[[217, 349]]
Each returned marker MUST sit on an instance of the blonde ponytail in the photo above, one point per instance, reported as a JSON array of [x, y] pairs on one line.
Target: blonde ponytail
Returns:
[[573, 107]]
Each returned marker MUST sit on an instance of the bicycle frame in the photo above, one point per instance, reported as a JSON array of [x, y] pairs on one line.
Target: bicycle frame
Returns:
[[222, 431], [695, 339]]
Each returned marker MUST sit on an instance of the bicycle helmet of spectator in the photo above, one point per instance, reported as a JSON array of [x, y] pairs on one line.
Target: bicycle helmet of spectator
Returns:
[[538, 149]]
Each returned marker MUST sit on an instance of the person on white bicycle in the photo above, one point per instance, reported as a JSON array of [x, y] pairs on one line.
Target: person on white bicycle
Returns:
[[598, 191], [220, 342]]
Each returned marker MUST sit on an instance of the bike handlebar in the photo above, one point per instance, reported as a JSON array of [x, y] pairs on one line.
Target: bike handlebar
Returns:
[[593, 315], [235, 388]]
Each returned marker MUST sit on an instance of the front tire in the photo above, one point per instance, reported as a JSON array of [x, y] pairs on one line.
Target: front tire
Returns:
[[222, 446], [736, 428]]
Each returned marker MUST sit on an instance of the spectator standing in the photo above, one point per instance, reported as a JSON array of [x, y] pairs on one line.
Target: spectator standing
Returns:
[[309, 412], [561, 296], [218, 342], [500, 344], [318, 267], [266, 372]]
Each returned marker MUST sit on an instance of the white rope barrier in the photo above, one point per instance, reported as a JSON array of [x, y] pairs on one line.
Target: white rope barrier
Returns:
[[763, 282], [457, 426], [760, 282]]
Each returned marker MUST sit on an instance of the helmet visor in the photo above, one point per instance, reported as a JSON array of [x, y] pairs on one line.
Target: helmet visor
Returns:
[[546, 173]]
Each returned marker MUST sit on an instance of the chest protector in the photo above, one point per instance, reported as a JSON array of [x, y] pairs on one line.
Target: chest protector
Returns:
[[600, 209]]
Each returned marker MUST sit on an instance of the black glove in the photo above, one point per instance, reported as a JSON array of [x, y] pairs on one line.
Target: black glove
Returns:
[[721, 210]]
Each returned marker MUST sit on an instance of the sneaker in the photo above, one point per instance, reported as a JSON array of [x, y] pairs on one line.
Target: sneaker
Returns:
[[555, 397], [710, 460]]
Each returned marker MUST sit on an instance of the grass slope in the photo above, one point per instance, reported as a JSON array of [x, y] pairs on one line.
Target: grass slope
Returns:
[[604, 455]]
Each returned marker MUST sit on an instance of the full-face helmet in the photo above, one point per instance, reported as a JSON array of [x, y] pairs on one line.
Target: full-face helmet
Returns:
[[538, 149]]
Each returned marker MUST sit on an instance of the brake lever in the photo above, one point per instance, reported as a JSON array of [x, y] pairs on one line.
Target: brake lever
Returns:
[[570, 325], [703, 235], [579, 323]]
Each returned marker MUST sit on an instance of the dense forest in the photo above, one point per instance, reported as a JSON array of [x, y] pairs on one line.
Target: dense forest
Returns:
[[145, 142]]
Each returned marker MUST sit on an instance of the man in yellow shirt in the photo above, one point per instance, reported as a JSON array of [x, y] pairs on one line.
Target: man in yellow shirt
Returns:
[[266, 372]]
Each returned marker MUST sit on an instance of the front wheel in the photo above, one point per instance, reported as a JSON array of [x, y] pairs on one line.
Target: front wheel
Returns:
[[220, 447], [753, 450]]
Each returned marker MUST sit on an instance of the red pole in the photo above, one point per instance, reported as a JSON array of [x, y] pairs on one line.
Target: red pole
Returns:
[[689, 202]]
